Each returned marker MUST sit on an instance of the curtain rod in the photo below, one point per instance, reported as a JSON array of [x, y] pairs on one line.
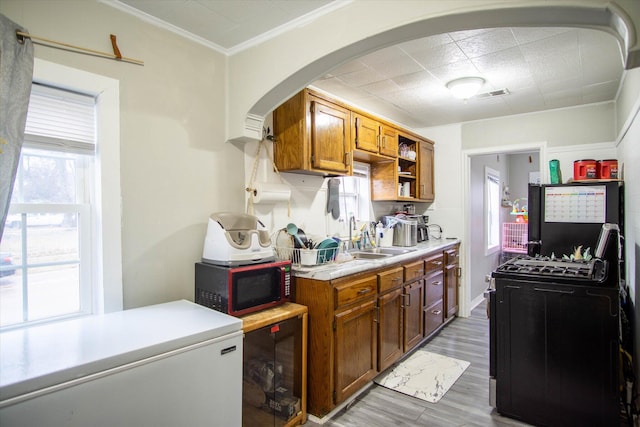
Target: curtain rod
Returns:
[[116, 55]]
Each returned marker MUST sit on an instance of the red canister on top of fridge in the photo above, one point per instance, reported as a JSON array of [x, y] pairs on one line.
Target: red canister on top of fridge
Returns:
[[607, 169], [584, 169]]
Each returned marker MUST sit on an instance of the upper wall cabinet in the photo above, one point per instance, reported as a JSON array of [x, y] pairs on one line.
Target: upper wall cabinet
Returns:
[[316, 134], [426, 187], [313, 135], [374, 137]]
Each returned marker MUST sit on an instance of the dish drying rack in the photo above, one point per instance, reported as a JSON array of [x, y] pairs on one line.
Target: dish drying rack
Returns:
[[302, 257]]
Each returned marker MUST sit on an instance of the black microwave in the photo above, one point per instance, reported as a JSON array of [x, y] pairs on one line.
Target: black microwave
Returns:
[[243, 289]]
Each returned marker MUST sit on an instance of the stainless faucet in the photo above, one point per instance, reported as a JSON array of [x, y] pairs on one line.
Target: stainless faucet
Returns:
[[352, 227]]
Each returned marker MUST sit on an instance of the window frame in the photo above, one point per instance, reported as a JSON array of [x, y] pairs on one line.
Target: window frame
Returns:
[[491, 176], [106, 251], [361, 171]]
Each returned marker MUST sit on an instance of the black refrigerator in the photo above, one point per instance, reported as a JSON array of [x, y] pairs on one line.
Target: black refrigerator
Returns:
[[563, 217]]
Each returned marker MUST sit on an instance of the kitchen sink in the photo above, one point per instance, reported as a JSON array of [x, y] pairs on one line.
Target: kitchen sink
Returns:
[[376, 253], [388, 251], [368, 255]]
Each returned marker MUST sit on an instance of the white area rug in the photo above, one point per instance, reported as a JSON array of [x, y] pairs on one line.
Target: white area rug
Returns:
[[424, 375]]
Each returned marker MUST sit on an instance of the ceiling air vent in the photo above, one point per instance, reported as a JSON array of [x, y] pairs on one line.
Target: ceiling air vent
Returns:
[[492, 94]]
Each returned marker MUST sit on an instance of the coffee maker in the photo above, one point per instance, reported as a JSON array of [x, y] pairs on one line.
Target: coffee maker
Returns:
[[423, 233]]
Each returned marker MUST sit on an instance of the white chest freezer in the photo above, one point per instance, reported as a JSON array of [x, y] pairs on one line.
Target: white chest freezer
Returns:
[[164, 365]]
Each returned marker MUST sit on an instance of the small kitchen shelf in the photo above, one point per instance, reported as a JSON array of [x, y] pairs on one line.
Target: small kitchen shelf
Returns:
[[275, 343]]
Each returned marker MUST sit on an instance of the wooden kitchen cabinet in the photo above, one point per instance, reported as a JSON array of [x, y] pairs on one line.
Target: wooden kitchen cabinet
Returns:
[[342, 337], [433, 293], [451, 280], [316, 134], [390, 321], [313, 135], [355, 348], [360, 324], [413, 299], [426, 177], [415, 174], [275, 358], [374, 136], [412, 304]]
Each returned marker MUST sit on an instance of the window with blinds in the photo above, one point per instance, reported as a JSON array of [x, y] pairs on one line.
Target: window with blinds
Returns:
[[47, 245]]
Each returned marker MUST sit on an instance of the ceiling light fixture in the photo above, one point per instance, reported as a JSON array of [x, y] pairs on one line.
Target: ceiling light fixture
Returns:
[[465, 87]]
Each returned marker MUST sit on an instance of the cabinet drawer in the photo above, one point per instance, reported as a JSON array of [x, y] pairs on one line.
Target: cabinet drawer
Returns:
[[433, 288], [390, 279], [351, 291], [413, 271], [452, 256], [433, 264], [433, 316]]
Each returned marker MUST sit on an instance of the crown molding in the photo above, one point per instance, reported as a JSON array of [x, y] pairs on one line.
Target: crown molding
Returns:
[[300, 21]]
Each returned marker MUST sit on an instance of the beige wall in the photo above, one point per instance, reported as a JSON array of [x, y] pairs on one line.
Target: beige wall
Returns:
[[176, 168]]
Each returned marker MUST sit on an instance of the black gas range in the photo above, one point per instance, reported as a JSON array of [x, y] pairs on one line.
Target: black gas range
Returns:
[[554, 339]]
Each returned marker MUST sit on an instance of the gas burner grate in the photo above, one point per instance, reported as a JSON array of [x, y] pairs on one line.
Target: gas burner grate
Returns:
[[548, 267]]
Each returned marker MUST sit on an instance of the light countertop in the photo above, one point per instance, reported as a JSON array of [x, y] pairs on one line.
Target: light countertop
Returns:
[[336, 270], [36, 357]]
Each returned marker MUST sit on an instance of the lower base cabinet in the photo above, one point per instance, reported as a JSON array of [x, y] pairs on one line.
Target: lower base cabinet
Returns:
[[355, 349], [362, 324], [433, 316], [413, 302], [274, 383]]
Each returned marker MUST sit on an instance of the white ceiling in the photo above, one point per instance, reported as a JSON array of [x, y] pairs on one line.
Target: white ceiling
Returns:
[[542, 68]]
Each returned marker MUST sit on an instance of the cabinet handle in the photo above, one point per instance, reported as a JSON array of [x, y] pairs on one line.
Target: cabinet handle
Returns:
[[348, 158], [407, 304], [377, 316], [437, 262], [384, 142], [459, 272], [364, 291], [436, 283], [436, 312], [396, 279], [378, 141]]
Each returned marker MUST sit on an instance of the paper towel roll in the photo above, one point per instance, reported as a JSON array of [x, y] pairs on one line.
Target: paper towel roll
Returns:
[[271, 193]]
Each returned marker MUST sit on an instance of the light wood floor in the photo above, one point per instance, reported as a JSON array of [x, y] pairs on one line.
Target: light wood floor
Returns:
[[465, 404]]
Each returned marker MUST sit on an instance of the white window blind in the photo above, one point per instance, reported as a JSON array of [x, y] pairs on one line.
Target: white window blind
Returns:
[[61, 120]]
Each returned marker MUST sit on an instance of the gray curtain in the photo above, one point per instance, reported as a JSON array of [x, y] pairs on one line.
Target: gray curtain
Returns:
[[16, 73]]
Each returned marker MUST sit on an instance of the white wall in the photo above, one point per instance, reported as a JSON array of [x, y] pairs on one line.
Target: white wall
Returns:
[[629, 154], [483, 263], [595, 123], [520, 165], [176, 168]]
